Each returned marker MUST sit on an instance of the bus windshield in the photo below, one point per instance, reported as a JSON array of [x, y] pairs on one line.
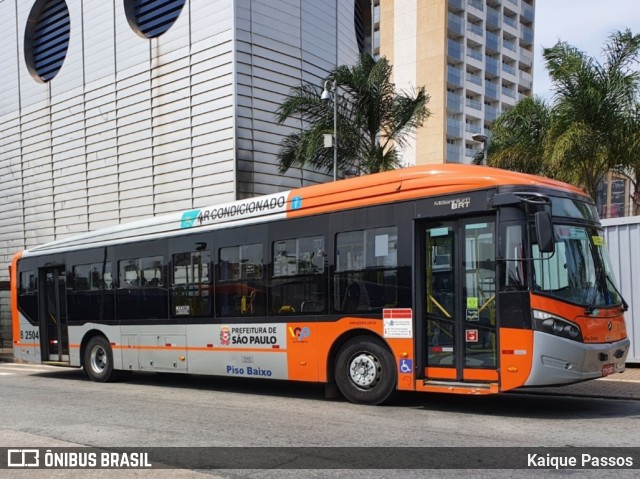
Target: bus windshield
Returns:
[[579, 271]]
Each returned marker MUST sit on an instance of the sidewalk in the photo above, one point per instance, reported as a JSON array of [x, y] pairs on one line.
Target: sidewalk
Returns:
[[616, 386]]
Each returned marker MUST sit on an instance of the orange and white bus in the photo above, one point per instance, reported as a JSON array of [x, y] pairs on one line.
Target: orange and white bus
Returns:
[[451, 278]]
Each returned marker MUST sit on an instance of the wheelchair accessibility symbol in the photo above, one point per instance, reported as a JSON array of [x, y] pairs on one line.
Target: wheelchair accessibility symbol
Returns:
[[406, 366]]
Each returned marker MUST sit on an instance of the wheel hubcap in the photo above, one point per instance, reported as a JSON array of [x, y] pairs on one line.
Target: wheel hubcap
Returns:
[[364, 370], [98, 359]]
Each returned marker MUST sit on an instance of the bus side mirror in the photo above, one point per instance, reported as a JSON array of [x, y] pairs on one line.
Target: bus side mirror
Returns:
[[544, 232]]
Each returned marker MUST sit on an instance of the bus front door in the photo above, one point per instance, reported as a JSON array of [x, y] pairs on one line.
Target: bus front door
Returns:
[[54, 336], [458, 300]]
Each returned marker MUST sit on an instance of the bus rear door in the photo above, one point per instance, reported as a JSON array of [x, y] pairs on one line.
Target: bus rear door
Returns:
[[457, 302], [54, 336]]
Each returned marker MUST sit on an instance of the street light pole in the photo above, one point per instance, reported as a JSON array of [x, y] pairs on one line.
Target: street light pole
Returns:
[[331, 90]]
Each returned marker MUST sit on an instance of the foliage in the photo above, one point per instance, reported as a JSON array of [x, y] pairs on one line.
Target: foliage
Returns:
[[374, 121], [587, 129]]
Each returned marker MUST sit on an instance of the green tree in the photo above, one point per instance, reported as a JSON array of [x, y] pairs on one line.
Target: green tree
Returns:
[[374, 121], [583, 134], [592, 104], [518, 138]]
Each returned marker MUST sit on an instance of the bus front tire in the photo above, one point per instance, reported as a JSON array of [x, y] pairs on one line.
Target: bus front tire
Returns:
[[98, 360], [365, 371]]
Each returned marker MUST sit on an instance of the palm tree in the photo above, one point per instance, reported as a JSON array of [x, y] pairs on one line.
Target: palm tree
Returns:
[[592, 103], [518, 137], [374, 121], [585, 132]]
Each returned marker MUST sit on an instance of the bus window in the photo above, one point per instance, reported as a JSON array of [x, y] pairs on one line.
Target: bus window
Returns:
[[190, 288], [514, 277], [151, 272], [28, 294], [141, 292], [81, 277], [240, 288], [298, 282], [28, 283], [87, 298], [366, 276]]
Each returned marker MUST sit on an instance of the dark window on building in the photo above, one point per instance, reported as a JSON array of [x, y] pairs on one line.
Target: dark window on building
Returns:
[[47, 38], [151, 18], [191, 285], [142, 293], [240, 290], [299, 284], [366, 276]]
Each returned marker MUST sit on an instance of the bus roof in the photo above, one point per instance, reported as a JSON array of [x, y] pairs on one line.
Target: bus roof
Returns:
[[392, 186]]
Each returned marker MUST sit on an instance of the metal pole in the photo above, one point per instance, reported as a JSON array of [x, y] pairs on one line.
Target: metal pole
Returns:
[[335, 130]]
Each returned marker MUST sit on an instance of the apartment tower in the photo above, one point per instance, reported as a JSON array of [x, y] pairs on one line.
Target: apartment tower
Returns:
[[475, 58]]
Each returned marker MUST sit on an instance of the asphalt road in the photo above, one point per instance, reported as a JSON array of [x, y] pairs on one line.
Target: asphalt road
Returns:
[[44, 406]]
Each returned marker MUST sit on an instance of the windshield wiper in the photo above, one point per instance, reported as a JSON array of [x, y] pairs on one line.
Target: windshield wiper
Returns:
[[608, 279], [596, 285], [600, 275]]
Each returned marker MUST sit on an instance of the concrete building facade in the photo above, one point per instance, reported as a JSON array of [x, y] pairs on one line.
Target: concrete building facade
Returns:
[[117, 110], [475, 58]]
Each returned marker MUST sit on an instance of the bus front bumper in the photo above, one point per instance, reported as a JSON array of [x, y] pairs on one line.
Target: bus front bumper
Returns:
[[558, 360]]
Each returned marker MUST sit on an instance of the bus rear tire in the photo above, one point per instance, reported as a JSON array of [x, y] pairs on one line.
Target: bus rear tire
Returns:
[[98, 360], [365, 371]]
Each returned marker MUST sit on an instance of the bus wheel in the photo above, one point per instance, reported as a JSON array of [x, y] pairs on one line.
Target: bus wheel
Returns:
[[365, 371], [98, 359]]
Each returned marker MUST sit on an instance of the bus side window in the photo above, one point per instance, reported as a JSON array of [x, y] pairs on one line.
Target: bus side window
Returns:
[[191, 284], [141, 289], [28, 294], [240, 289], [299, 283], [366, 277], [89, 293], [514, 253]]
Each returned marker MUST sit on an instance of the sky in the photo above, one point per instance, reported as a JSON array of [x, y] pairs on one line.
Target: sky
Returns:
[[585, 24]]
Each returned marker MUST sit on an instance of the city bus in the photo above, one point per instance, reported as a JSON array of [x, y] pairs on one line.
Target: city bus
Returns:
[[451, 278]]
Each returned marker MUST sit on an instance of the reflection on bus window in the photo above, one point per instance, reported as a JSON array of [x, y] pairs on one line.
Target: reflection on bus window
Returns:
[[142, 272], [240, 290], [91, 277], [299, 284], [89, 295], [141, 290], [190, 289], [366, 276], [578, 270], [514, 277]]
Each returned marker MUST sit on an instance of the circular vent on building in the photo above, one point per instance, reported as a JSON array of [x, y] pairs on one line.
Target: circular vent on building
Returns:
[[151, 18], [46, 38]]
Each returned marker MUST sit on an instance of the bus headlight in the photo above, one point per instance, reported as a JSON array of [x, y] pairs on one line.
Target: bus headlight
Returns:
[[549, 323]]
